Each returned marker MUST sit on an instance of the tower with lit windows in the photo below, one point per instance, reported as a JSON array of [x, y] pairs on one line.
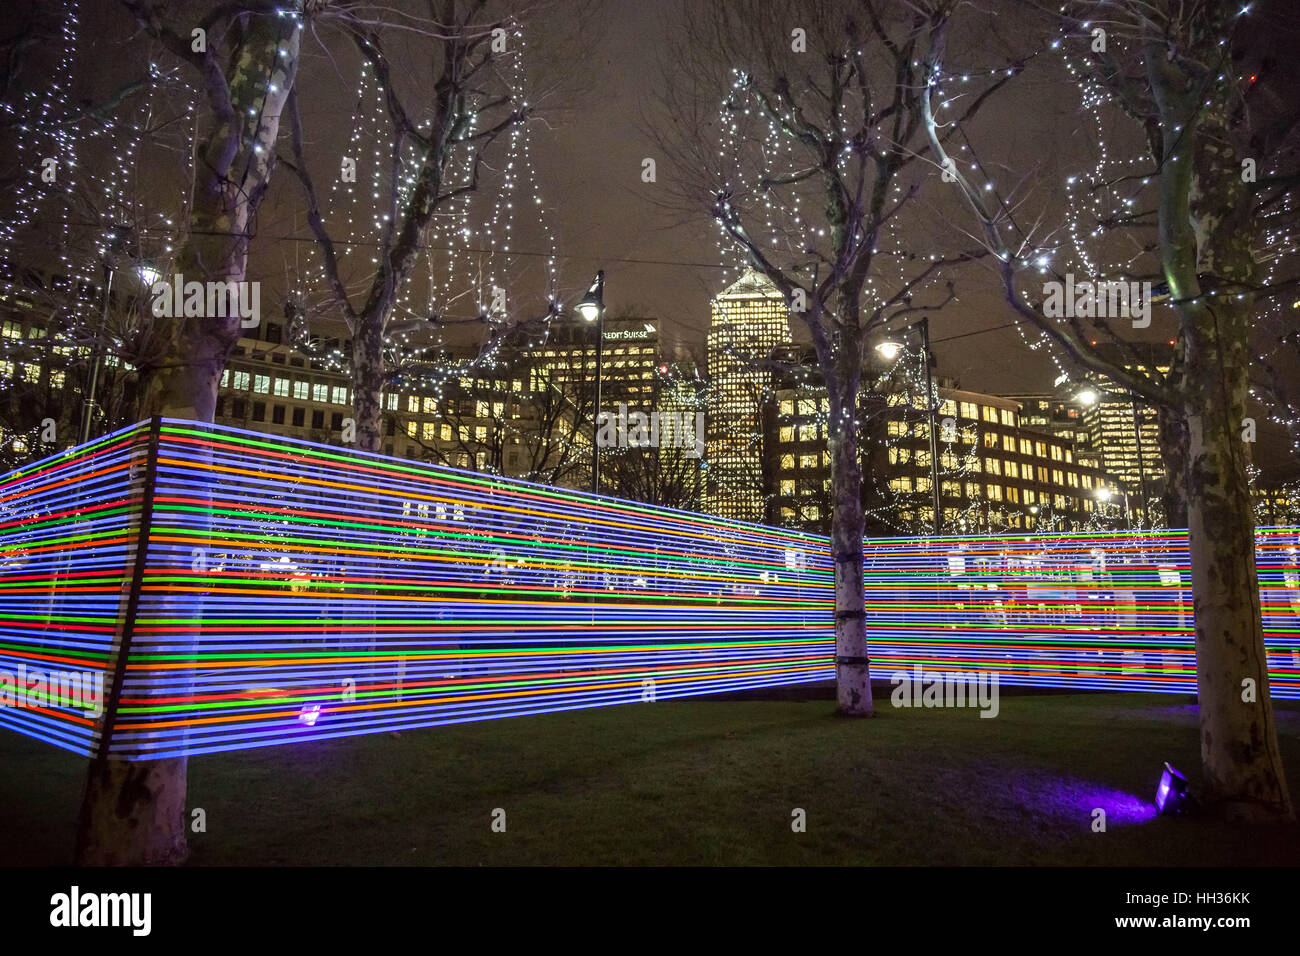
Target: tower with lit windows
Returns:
[[748, 321]]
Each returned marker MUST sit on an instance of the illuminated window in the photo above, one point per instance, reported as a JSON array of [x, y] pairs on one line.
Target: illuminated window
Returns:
[[339, 395], [899, 455], [948, 407], [1008, 418], [787, 462], [12, 330], [225, 378], [426, 431], [413, 404], [992, 466], [320, 393], [411, 428], [990, 414], [241, 380], [1040, 449], [1057, 477], [1013, 494], [807, 432], [56, 379], [1013, 469], [300, 391], [994, 492], [990, 440], [261, 384], [787, 433], [1008, 443], [392, 402], [970, 410], [282, 387], [787, 487], [445, 432], [481, 409], [972, 490], [807, 461], [480, 433], [1026, 446]]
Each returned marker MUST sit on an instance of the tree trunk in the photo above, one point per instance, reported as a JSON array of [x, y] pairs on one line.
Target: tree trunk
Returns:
[[133, 812], [852, 669], [1241, 761], [368, 381], [1207, 228]]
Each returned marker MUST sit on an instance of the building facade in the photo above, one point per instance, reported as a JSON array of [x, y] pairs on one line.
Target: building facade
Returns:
[[749, 321]]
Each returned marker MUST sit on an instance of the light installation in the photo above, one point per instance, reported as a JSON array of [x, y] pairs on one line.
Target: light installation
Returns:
[[247, 590]]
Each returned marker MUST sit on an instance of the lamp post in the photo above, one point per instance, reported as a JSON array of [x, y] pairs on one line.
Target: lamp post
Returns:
[[88, 405], [592, 309], [1104, 495], [890, 349]]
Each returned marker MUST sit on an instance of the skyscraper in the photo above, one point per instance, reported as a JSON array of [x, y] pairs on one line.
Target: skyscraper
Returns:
[[748, 321]]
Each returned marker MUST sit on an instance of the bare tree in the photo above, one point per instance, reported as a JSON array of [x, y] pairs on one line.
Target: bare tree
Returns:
[[443, 115], [821, 134], [1168, 67], [244, 58]]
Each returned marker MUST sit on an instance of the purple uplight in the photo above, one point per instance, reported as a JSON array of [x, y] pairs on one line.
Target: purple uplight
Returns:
[[1172, 792]]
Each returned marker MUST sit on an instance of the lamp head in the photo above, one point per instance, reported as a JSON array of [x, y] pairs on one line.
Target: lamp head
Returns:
[[889, 349], [593, 303]]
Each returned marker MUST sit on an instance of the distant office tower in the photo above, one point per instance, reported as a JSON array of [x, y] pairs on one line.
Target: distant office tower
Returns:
[[748, 321]]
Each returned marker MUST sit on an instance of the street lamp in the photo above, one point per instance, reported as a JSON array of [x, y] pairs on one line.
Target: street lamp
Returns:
[[148, 276], [592, 309], [1104, 495], [889, 349]]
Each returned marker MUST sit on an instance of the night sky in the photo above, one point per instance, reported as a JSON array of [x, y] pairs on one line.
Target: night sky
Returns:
[[589, 143]]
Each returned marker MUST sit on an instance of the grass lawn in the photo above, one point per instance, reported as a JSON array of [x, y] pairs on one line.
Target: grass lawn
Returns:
[[699, 782]]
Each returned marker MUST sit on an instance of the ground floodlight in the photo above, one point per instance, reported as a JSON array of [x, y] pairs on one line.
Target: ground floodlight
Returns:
[[1171, 795]]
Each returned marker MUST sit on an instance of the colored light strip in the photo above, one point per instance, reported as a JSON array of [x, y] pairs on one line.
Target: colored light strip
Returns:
[[295, 591]]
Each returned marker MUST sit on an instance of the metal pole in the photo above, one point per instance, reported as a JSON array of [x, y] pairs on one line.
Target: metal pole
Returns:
[[595, 415], [1142, 478], [924, 326], [88, 405]]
